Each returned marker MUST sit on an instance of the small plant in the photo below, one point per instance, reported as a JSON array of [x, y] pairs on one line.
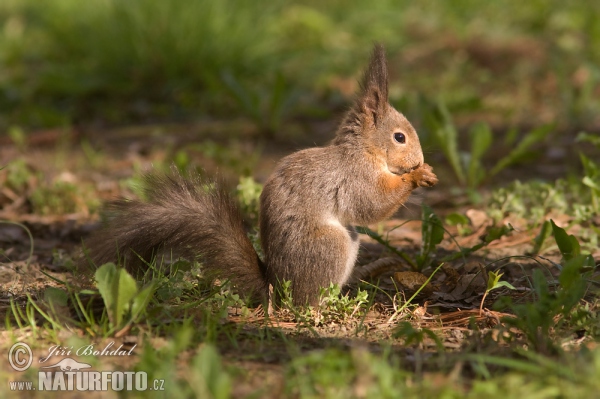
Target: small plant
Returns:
[[569, 246], [61, 198], [551, 308], [285, 294], [493, 282], [432, 232], [537, 319], [590, 138], [461, 222], [358, 373], [535, 200], [94, 157], [267, 107], [468, 166], [202, 376], [592, 180], [540, 239], [432, 235], [173, 284], [55, 197], [207, 376], [124, 302], [18, 176], [591, 170], [334, 306], [18, 137], [225, 299], [248, 194]]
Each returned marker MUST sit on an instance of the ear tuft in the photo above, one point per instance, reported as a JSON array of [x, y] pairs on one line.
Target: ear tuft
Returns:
[[376, 75], [374, 85]]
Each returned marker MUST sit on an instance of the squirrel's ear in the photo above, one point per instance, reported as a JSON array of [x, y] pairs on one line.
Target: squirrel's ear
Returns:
[[374, 87]]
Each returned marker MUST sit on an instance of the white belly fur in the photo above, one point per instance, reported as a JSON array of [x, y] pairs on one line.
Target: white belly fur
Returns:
[[352, 244]]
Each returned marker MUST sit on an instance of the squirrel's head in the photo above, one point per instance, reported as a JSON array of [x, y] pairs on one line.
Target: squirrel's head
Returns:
[[383, 132]]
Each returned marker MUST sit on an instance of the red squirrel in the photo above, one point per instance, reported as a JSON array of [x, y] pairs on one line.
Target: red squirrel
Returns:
[[307, 208]]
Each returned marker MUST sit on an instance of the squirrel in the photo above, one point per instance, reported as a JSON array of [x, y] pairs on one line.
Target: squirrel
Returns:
[[308, 205]]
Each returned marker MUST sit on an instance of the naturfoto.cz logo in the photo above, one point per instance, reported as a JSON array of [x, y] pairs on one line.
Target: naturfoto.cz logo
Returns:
[[68, 374]]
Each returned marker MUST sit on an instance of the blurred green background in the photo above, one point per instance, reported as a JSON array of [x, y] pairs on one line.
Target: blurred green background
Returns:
[[510, 63]]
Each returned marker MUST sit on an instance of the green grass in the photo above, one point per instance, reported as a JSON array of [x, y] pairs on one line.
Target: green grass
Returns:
[[66, 61], [481, 81], [526, 360], [197, 319]]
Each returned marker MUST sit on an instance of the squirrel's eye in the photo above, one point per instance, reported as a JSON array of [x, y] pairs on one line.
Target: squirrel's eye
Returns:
[[399, 137]]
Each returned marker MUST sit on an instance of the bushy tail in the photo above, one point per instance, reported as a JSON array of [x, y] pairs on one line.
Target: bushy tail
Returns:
[[189, 217]]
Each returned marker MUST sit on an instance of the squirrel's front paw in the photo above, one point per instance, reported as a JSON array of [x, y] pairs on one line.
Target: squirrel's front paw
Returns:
[[424, 176]]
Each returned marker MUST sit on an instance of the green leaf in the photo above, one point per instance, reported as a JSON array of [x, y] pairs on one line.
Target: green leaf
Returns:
[[571, 273], [495, 232], [88, 292], [539, 240], [281, 99], [18, 137], [210, 377], [439, 122], [493, 278], [592, 180], [590, 183], [521, 149], [246, 98], [117, 289], [567, 244], [572, 283], [590, 138], [481, 139], [433, 234], [55, 296], [494, 281], [141, 300], [504, 284], [454, 219], [511, 136], [590, 167], [589, 262]]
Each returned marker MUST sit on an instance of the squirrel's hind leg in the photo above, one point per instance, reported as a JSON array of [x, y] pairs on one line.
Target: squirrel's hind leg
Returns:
[[328, 257]]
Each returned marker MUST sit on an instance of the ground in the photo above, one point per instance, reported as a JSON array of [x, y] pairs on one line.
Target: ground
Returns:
[[484, 285], [449, 318]]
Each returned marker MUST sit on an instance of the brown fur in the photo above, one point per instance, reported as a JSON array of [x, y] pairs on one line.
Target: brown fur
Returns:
[[308, 205], [194, 218]]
